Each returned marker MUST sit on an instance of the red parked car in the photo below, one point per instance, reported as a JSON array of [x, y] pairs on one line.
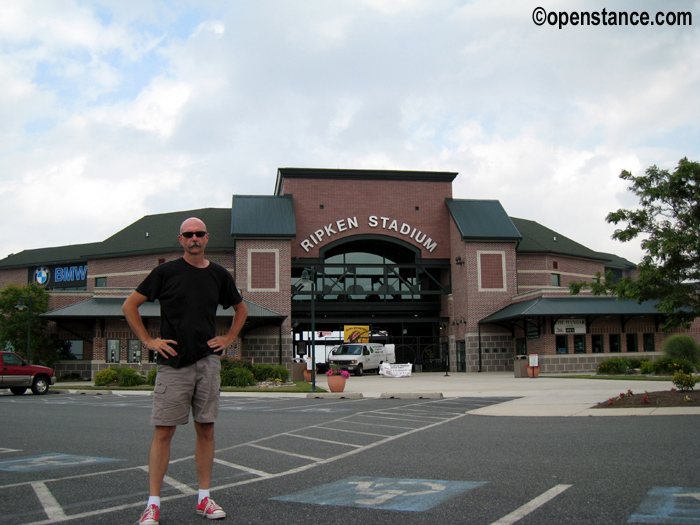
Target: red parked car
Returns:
[[18, 375]]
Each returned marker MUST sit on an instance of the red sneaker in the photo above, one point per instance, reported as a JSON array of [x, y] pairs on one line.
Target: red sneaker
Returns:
[[150, 516], [210, 510]]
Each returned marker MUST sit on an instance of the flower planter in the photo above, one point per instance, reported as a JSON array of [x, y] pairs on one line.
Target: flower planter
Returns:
[[533, 371], [307, 375], [336, 383]]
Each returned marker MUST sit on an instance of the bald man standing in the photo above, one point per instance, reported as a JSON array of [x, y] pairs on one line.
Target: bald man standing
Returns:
[[189, 290]]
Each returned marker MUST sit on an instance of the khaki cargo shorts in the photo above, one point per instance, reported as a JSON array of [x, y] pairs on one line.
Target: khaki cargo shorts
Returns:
[[179, 390]]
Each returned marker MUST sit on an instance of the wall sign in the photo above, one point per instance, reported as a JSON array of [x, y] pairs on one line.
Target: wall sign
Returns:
[[326, 232], [532, 331], [71, 275], [570, 326]]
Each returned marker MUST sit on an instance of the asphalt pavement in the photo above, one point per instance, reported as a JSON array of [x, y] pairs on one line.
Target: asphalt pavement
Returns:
[[535, 397]]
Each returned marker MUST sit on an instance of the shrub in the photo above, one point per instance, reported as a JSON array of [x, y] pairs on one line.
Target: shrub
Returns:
[[106, 377], [151, 377], [647, 367], [613, 365], [682, 346], [280, 372], [130, 377], [229, 364], [683, 381], [237, 377], [72, 376], [262, 372], [635, 362], [669, 366]]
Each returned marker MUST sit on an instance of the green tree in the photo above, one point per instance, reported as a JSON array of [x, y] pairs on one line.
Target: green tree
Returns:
[[668, 223], [13, 322]]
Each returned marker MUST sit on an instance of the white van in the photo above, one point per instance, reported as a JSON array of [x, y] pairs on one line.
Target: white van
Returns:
[[358, 357]]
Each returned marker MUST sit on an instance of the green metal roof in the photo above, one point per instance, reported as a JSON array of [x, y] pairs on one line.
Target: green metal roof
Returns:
[[572, 305], [48, 256], [263, 216], [110, 306], [616, 262], [97, 307], [159, 233], [540, 239], [152, 233], [360, 175], [482, 220]]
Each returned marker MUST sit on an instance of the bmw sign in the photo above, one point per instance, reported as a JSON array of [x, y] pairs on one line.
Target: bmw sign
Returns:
[[42, 276], [69, 276]]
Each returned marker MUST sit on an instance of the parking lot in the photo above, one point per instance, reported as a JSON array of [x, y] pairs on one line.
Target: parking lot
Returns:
[[83, 459]]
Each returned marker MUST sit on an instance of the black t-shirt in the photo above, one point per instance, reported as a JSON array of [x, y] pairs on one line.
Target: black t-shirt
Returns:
[[188, 299]]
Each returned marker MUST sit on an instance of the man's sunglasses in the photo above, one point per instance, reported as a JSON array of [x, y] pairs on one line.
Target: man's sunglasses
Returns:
[[188, 235]]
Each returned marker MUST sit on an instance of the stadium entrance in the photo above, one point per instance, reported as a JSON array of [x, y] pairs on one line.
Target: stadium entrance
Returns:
[[379, 282]]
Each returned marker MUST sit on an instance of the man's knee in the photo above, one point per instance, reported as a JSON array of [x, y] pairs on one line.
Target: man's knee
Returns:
[[204, 430], [163, 434]]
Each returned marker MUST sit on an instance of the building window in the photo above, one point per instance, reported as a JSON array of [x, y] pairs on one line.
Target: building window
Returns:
[[631, 342], [76, 349], [263, 270], [134, 355], [562, 344], [100, 282], [112, 350], [556, 279], [579, 344], [152, 356], [615, 343], [70, 349], [649, 342], [597, 343], [492, 271], [555, 265]]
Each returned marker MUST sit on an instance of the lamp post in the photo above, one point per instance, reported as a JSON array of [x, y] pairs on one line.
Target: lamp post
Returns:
[[309, 276], [21, 306]]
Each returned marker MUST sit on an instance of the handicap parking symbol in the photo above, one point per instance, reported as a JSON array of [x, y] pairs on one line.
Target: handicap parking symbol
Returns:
[[49, 461], [677, 505], [384, 493]]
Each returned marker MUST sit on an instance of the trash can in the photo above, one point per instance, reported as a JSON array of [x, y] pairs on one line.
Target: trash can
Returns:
[[520, 366]]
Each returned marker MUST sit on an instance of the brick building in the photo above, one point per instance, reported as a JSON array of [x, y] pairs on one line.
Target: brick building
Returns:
[[450, 282]]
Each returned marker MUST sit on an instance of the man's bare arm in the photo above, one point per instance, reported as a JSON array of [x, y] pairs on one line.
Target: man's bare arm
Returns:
[[133, 317]]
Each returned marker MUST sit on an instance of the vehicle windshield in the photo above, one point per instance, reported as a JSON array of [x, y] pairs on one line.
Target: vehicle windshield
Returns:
[[349, 350]]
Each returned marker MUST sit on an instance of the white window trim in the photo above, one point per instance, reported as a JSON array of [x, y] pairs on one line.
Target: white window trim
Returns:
[[503, 263], [251, 251]]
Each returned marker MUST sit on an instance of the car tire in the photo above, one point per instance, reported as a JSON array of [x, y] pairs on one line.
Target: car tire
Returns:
[[40, 386], [18, 390], [358, 370]]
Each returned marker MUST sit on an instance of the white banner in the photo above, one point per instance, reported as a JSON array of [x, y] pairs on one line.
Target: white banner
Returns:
[[570, 326], [395, 370]]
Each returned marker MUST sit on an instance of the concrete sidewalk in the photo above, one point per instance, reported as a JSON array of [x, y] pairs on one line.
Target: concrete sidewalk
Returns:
[[542, 396]]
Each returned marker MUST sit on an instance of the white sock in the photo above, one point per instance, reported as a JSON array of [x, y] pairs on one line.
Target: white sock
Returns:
[[203, 493], [153, 500]]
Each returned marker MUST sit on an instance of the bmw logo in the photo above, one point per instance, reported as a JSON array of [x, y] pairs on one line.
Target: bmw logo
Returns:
[[41, 275]]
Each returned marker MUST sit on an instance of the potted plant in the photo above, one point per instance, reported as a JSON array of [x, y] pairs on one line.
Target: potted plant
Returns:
[[336, 379]]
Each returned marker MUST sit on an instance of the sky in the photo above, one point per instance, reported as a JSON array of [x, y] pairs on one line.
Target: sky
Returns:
[[113, 110]]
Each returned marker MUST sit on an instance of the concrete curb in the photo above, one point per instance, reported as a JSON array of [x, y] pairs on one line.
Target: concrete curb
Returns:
[[334, 395]]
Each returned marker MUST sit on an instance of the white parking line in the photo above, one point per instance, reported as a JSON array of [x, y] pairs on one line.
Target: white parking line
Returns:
[[52, 508], [185, 489], [531, 506]]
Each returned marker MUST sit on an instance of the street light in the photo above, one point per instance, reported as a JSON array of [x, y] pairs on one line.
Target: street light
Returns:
[[21, 306], [308, 276]]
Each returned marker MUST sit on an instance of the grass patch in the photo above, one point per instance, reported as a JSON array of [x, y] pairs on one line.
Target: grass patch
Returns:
[[300, 387]]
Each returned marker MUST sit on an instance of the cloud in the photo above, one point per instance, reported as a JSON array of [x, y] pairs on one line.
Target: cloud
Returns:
[[115, 110]]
